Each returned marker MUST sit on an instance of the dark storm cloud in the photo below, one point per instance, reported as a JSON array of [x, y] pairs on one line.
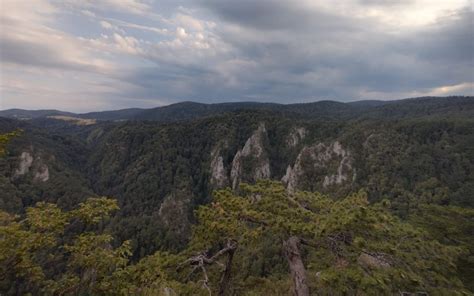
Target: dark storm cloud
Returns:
[[278, 15], [292, 56], [451, 39], [350, 56]]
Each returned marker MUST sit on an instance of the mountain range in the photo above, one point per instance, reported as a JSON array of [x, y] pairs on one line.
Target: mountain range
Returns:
[[461, 106]]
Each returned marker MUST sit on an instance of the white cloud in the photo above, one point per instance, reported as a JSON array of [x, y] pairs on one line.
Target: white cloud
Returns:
[[127, 44], [127, 6], [124, 24], [106, 25], [189, 22], [404, 13], [88, 13], [27, 37], [465, 88], [181, 33], [44, 67]]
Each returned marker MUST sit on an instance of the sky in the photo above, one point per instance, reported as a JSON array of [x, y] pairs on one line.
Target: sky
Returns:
[[90, 55]]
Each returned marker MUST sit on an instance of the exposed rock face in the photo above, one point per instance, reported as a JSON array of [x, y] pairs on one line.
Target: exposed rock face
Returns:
[[319, 165], [296, 136], [34, 165], [236, 169], [253, 150], [345, 166], [42, 173], [290, 178], [219, 177], [26, 160], [174, 212]]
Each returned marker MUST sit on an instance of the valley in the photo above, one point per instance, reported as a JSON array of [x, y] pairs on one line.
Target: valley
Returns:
[[411, 153]]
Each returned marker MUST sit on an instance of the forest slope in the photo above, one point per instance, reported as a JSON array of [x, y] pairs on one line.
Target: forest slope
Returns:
[[420, 155]]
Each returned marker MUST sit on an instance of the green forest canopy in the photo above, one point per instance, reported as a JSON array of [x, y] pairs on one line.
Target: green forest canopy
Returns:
[[262, 241]]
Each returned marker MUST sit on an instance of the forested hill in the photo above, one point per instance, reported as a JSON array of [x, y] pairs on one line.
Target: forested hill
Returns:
[[427, 106], [416, 156]]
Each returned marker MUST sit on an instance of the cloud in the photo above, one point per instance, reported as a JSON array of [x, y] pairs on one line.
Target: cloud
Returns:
[[385, 2], [189, 22], [128, 6], [123, 24], [127, 44], [27, 39], [448, 90], [117, 53], [181, 33], [106, 25], [313, 51]]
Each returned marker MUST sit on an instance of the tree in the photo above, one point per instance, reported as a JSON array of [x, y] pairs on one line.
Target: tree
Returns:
[[5, 139], [37, 249], [331, 246], [261, 241], [452, 226]]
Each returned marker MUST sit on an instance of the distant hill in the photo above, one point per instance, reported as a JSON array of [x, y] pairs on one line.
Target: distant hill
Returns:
[[192, 110], [123, 114], [428, 106], [32, 114], [415, 107]]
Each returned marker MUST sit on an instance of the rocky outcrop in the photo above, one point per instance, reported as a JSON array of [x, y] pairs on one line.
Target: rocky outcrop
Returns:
[[316, 168], [319, 166], [253, 150], [41, 174], [236, 171], [174, 213], [296, 136], [26, 160], [290, 179], [343, 169], [34, 165], [219, 178]]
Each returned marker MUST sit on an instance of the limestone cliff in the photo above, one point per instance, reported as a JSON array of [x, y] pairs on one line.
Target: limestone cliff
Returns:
[[34, 165], [295, 137], [219, 178], [318, 167], [174, 213], [251, 162], [26, 160]]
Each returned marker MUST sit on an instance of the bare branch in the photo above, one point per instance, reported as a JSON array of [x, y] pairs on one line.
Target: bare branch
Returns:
[[201, 260]]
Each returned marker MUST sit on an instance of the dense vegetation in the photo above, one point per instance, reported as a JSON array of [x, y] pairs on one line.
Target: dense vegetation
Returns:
[[262, 242], [404, 224]]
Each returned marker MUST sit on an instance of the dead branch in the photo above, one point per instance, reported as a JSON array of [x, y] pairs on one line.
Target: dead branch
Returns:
[[201, 260]]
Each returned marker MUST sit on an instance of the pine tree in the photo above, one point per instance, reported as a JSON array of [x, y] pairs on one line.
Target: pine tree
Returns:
[[331, 246]]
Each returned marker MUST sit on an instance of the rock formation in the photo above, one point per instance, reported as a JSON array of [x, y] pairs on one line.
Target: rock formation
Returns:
[[253, 150], [319, 165], [34, 165], [219, 178], [295, 137]]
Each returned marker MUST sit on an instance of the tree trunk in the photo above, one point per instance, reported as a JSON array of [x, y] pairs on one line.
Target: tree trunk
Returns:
[[297, 269], [225, 279]]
